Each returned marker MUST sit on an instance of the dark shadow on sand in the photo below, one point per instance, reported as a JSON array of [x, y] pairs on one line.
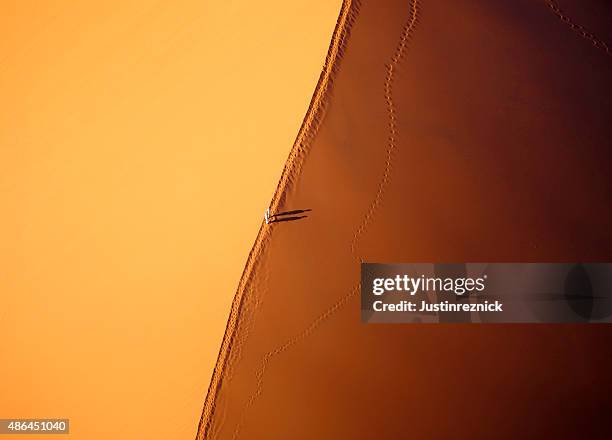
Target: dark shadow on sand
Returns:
[[297, 211], [288, 219]]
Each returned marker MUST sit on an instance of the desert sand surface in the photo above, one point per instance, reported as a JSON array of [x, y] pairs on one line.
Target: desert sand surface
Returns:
[[140, 142], [471, 130]]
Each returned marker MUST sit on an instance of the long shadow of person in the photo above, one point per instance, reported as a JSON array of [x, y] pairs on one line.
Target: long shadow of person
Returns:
[[288, 216], [287, 219]]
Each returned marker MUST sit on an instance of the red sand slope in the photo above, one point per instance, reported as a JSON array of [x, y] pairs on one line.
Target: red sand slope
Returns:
[[471, 130]]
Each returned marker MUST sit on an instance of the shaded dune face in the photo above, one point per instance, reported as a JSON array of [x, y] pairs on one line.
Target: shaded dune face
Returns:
[[456, 131]]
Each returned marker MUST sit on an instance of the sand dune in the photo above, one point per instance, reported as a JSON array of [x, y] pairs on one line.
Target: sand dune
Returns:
[[472, 130]]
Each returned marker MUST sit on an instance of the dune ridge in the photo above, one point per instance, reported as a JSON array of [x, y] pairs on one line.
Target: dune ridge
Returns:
[[579, 29], [312, 119], [388, 86]]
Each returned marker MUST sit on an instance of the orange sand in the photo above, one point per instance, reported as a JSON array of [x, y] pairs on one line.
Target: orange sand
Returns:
[[140, 143]]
